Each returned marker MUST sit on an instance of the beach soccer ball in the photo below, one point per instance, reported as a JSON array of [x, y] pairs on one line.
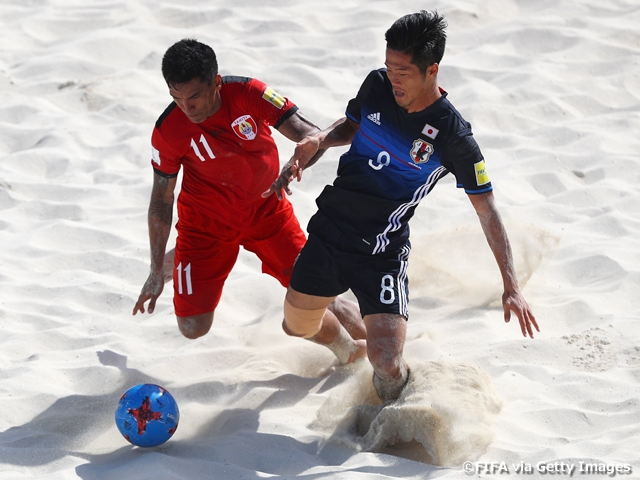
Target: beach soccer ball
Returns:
[[147, 415]]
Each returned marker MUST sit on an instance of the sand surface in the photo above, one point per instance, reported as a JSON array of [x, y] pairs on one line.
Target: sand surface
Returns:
[[552, 89]]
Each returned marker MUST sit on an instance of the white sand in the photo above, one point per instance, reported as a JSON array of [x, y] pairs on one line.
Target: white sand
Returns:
[[552, 89]]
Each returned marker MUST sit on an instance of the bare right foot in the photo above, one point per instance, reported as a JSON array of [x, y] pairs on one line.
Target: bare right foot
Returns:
[[390, 389]]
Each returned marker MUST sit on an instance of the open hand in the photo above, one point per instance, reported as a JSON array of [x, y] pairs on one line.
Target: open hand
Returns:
[[305, 150], [514, 301]]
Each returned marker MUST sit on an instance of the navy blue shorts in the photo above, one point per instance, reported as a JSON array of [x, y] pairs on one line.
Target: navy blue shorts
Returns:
[[327, 267]]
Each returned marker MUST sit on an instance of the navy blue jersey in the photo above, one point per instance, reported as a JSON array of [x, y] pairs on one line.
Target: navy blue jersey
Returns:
[[394, 161]]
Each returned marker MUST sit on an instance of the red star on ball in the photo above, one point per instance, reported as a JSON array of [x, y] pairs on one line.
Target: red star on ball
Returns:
[[144, 414]]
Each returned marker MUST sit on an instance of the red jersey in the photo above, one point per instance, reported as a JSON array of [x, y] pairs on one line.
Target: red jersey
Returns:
[[229, 159]]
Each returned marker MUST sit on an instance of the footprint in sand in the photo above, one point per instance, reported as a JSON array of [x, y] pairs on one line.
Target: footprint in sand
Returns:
[[593, 350]]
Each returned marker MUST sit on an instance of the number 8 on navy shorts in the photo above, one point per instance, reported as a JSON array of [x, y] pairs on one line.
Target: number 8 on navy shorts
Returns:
[[380, 284]]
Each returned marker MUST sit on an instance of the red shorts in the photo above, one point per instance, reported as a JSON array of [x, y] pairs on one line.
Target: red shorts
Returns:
[[207, 251]]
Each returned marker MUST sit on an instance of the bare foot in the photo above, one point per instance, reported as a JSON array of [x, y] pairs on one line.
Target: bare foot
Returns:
[[360, 352], [390, 388]]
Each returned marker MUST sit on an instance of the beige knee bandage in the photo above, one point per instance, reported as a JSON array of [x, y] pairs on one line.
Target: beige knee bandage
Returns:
[[305, 323]]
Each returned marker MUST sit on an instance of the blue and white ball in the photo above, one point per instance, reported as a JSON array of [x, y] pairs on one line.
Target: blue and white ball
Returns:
[[147, 415]]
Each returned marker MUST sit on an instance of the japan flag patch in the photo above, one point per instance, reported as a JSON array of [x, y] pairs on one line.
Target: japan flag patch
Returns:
[[430, 131]]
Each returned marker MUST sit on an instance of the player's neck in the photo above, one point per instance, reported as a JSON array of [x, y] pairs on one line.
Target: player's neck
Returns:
[[424, 100], [216, 104]]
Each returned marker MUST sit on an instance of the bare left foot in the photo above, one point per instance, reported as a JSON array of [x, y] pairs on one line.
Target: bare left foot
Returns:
[[360, 352]]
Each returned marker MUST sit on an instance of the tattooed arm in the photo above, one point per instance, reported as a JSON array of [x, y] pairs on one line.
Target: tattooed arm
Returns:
[[160, 218]]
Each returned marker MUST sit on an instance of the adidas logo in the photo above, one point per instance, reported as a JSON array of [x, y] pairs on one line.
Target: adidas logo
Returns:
[[374, 117]]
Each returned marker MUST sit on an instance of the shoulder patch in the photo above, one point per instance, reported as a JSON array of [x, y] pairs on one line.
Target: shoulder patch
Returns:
[[482, 177], [274, 98], [155, 155]]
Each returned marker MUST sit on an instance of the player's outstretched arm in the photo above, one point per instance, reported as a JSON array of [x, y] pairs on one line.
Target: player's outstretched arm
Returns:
[[160, 218], [309, 149], [493, 228]]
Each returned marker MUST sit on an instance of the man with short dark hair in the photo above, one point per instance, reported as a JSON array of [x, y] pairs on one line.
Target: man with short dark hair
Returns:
[[404, 136], [217, 129]]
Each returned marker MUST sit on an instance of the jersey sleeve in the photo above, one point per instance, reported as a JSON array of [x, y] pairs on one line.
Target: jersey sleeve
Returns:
[[355, 104], [269, 105], [463, 158], [164, 159]]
